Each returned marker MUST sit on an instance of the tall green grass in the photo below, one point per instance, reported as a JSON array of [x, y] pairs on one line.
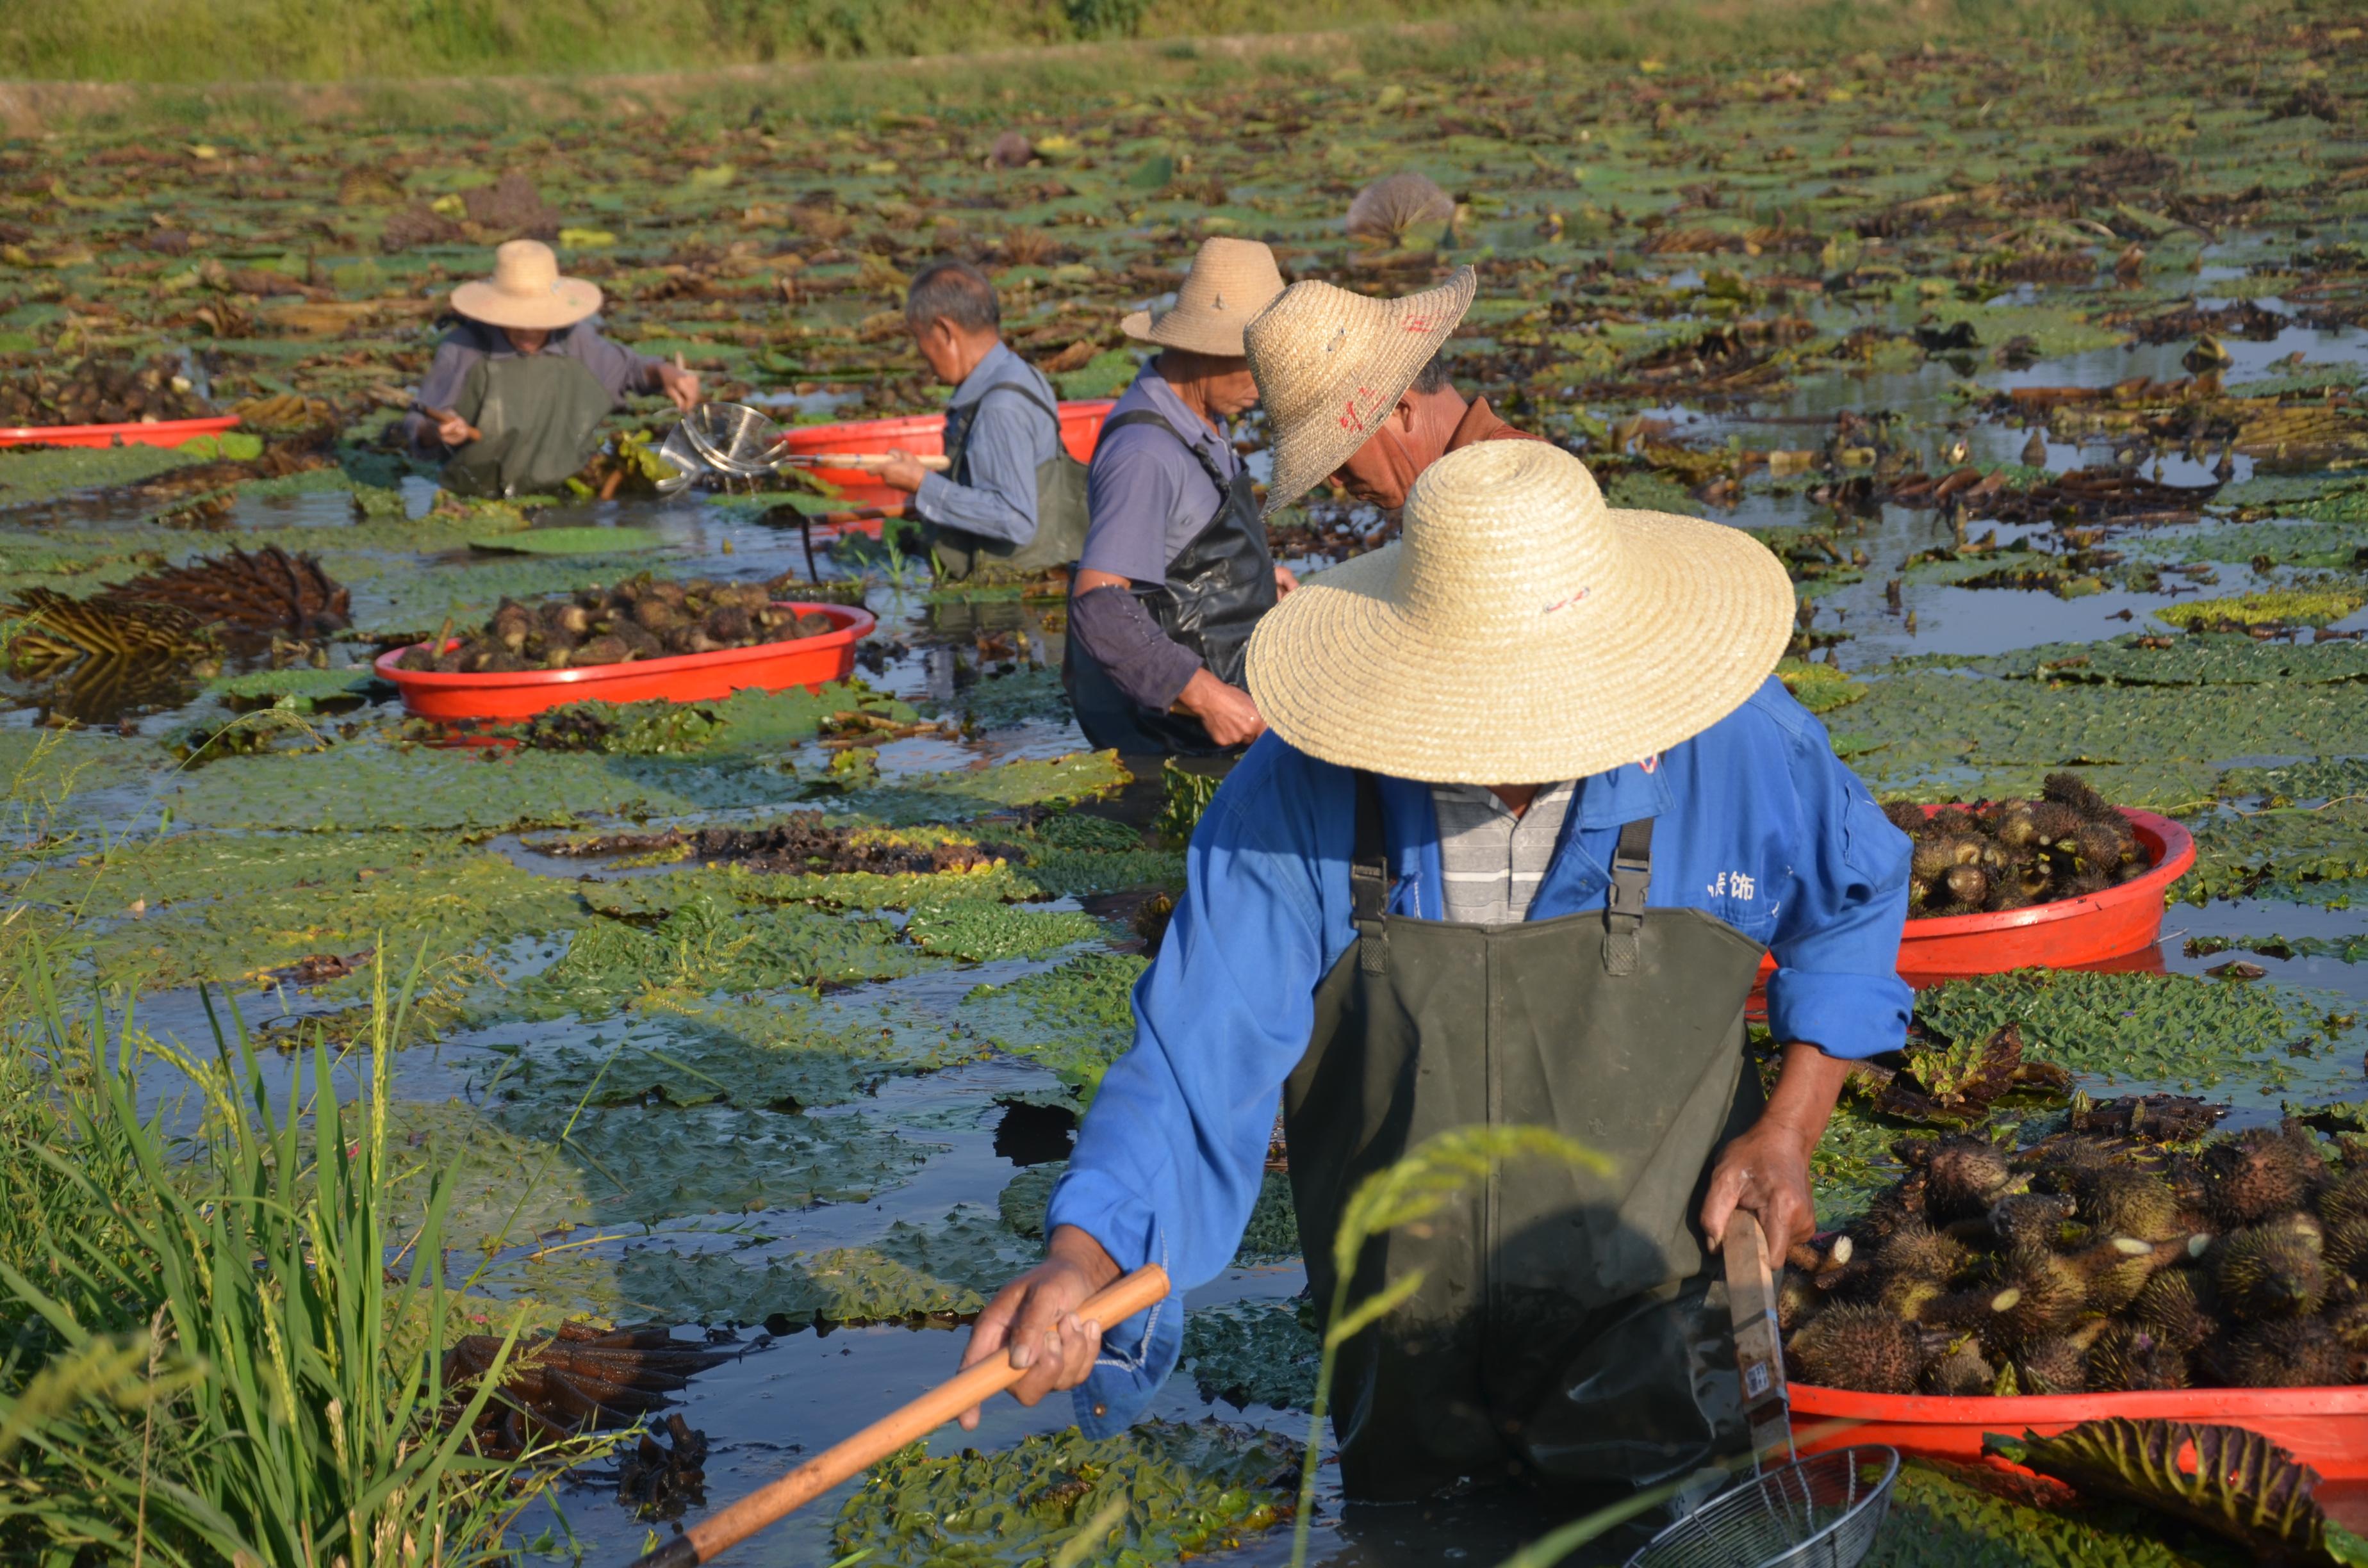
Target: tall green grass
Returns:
[[212, 1349], [220, 41]]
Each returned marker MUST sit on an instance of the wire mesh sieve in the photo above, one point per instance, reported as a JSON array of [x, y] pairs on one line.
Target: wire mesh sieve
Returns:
[[1815, 1513], [734, 438]]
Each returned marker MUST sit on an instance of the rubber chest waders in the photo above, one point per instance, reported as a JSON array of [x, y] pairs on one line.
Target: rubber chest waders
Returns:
[[1217, 588], [538, 415], [1560, 1330], [1060, 505]]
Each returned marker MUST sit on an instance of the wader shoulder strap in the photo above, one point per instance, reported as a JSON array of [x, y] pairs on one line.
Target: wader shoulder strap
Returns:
[[1623, 908], [1153, 416], [1030, 393], [1369, 879]]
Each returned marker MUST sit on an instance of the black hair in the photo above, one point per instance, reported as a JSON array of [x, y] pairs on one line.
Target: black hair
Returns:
[[957, 291], [1432, 377]]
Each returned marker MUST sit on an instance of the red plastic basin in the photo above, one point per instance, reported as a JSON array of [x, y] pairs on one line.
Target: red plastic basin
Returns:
[[922, 435], [2114, 929], [808, 662], [163, 433], [2327, 1429]]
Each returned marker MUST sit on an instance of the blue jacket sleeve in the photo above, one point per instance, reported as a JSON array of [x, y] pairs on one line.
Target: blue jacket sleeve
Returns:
[[1169, 1159], [1837, 942], [1000, 499], [612, 364]]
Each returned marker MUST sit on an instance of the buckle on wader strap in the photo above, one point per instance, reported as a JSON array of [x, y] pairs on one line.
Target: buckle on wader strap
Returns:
[[1368, 879], [1623, 910]]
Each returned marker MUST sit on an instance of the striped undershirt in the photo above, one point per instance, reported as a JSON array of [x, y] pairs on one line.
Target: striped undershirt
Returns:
[[1490, 859]]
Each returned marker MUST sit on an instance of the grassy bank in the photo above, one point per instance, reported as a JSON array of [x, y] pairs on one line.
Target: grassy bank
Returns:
[[397, 64]]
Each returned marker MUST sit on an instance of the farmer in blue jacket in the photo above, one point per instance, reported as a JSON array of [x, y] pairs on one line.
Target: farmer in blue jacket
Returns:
[[1530, 814]]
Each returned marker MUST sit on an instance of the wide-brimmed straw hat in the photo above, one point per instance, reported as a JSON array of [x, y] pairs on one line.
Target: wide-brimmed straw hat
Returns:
[[1522, 631], [525, 292], [1330, 365], [1230, 282]]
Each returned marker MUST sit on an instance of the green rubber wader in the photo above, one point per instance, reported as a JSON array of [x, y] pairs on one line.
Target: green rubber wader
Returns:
[[1060, 537], [1560, 1332], [537, 417]]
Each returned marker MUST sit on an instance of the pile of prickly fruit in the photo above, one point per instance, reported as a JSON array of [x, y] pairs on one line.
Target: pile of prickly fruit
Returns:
[[2001, 855], [96, 390], [2096, 1265], [641, 618]]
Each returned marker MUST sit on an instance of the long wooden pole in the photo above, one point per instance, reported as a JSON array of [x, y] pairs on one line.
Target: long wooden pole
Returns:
[[1111, 1305], [866, 462]]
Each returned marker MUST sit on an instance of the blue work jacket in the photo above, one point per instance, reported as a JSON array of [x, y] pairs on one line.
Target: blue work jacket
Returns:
[[1756, 822]]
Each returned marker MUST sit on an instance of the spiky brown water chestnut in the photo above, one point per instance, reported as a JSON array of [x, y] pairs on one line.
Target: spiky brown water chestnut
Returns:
[[2033, 1219], [2073, 790], [1859, 1347], [1797, 1300], [1920, 1252], [1958, 1370], [2048, 1293], [2122, 1201], [2267, 1271], [2118, 1267], [2345, 1196], [2127, 1359], [2261, 1171], [2287, 1353], [2052, 1365], [1963, 1177], [2174, 1306], [2346, 1247]]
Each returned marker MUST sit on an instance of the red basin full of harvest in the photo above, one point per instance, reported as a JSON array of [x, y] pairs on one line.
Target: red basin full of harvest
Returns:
[[2114, 929], [161, 433], [2325, 1428], [922, 435], [808, 662]]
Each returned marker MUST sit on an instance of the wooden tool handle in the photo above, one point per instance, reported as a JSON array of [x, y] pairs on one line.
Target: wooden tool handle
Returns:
[[865, 462], [442, 415], [1110, 1306], [1759, 1347]]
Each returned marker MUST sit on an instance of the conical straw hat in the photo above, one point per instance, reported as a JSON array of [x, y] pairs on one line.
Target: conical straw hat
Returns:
[[527, 291], [1230, 282], [1522, 631], [1330, 366]]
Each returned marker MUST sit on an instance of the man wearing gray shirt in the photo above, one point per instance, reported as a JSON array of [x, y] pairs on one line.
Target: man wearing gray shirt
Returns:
[[1176, 571], [1011, 501]]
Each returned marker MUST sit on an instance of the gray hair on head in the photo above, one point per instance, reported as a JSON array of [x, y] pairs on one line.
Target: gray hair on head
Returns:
[[1432, 377], [953, 290]]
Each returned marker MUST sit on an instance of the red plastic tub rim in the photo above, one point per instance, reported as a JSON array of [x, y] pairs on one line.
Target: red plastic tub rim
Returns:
[[853, 625], [922, 435], [152, 433], [2326, 1427]]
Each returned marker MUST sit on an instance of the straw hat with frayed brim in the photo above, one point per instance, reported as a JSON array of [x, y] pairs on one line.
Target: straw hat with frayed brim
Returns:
[[1522, 632], [1230, 282], [1330, 365], [525, 292]]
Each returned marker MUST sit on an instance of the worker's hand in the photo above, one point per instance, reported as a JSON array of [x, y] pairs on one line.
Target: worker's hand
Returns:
[[1225, 711], [1767, 1169], [680, 384], [455, 431], [1034, 1320], [901, 471], [1766, 1172], [1284, 581]]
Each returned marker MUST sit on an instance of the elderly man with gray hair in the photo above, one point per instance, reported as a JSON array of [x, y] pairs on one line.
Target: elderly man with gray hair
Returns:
[[1012, 501]]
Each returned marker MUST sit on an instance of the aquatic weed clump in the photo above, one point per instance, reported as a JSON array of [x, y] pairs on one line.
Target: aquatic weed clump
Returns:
[[1156, 1493]]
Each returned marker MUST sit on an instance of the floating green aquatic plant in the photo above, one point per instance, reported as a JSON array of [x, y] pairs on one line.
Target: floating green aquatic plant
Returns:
[[569, 541], [1820, 688], [1184, 794], [2157, 1028], [1948, 1518], [302, 685], [978, 930], [1186, 1489], [2278, 851], [1073, 1020], [2265, 606], [1251, 1353], [2197, 659]]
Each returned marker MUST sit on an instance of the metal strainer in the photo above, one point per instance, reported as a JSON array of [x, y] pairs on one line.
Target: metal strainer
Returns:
[[734, 438], [1815, 1513]]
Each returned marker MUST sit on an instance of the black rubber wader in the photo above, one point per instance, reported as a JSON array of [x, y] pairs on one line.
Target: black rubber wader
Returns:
[[1560, 1332], [1060, 533], [1217, 589], [538, 417]]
